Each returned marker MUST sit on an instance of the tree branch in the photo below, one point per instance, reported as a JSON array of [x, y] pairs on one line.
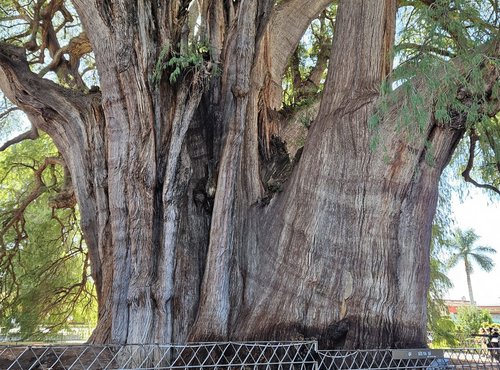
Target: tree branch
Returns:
[[470, 163], [288, 23], [38, 190], [491, 142], [6, 112], [308, 87], [77, 47], [48, 105], [65, 197], [425, 48], [28, 135]]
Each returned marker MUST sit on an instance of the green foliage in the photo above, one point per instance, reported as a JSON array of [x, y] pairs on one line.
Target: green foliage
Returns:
[[177, 63], [444, 333], [487, 155], [438, 323], [306, 72], [463, 249], [180, 63], [44, 273], [442, 57], [160, 65], [470, 319], [459, 93], [43, 260], [452, 246]]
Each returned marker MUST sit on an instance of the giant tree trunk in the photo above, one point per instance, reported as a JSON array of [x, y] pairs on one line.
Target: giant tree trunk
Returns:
[[185, 243], [346, 250]]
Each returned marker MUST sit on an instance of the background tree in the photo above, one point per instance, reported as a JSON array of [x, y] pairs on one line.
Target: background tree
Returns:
[[43, 262], [463, 249], [470, 319], [180, 170], [440, 325]]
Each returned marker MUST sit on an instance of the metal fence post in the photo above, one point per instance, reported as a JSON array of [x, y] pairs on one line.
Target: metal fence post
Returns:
[[315, 349]]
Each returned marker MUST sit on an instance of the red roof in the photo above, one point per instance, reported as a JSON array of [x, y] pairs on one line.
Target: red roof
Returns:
[[452, 309]]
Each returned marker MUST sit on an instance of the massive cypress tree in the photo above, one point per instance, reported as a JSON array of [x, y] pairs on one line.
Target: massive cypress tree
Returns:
[[197, 223]]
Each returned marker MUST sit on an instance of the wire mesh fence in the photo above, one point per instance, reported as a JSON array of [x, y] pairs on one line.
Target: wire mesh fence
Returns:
[[459, 358], [229, 355], [239, 355]]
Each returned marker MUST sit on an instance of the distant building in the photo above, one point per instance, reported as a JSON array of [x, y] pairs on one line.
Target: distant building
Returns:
[[453, 304]]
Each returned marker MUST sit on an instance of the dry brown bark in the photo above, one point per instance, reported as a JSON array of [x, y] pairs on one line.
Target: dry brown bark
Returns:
[[184, 241]]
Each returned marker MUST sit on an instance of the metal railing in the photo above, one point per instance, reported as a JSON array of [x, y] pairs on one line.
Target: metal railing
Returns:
[[239, 355], [228, 355], [460, 358]]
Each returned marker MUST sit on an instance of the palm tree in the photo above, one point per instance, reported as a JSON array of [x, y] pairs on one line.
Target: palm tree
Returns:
[[463, 249]]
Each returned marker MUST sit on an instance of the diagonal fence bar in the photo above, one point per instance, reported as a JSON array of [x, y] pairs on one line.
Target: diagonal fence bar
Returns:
[[444, 359], [239, 355], [217, 355]]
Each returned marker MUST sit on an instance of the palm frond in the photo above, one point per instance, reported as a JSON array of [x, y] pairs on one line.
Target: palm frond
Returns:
[[453, 260], [485, 249], [485, 262]]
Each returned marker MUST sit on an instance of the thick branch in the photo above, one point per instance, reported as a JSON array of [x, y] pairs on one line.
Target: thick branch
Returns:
[[65, 197], [47, 104], [470, 164], [287, 26], [308, 87], [77, 47], [293, 130]]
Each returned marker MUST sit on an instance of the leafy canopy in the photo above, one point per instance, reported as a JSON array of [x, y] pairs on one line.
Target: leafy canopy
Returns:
[[463, 247], [43, 260], [470, 319]]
